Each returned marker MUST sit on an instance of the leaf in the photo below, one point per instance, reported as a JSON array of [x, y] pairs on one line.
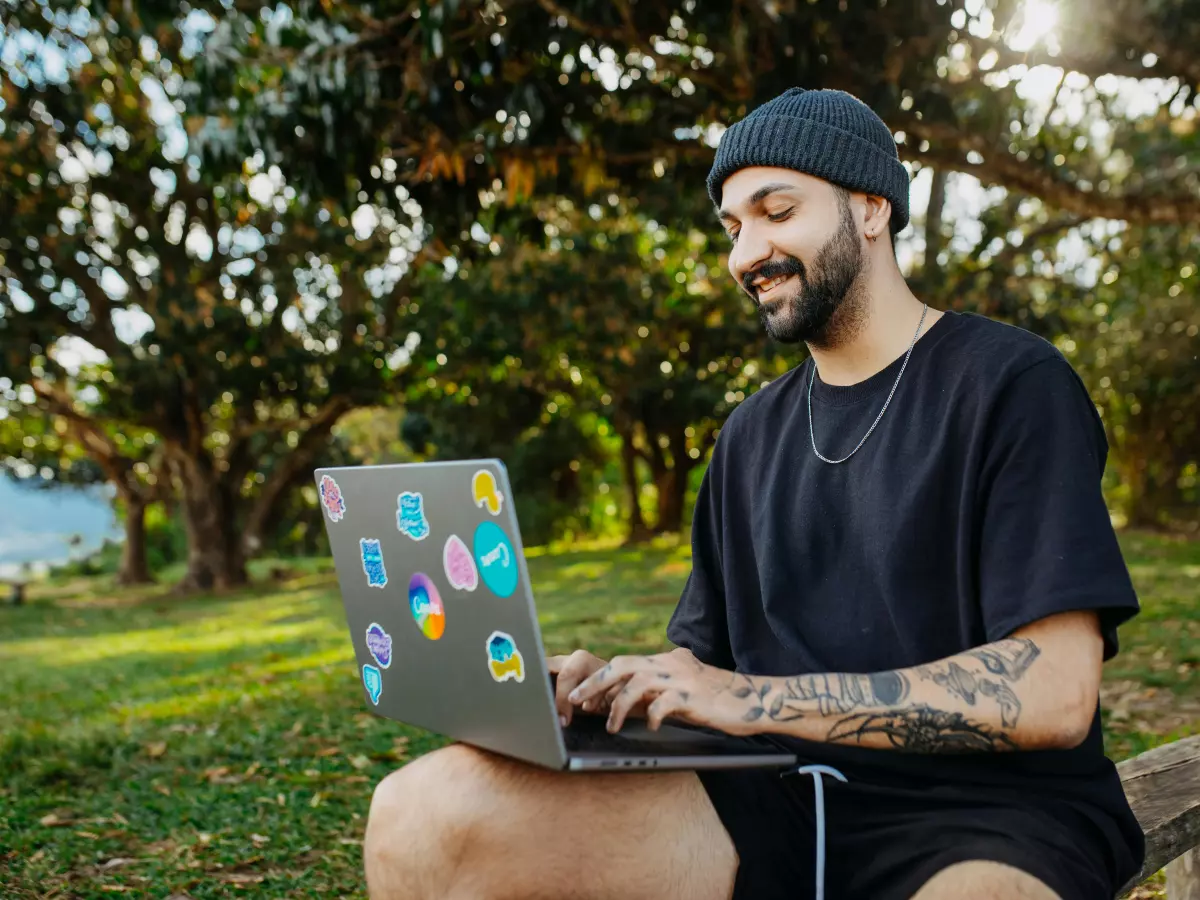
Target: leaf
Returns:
[[328, 751], [156, 749], [118, 861], [260, 839], [742, 693], [53, 821], [91, 836], [316, 800], [359, 762], [163, 789]]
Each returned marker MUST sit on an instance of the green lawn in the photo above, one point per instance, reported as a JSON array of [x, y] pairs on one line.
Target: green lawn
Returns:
[[219, 745]]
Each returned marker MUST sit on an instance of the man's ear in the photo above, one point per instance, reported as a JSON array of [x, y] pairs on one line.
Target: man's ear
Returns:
[[878, 216]]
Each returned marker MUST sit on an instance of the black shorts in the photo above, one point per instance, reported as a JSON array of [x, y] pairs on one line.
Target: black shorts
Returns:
[[883, 841]]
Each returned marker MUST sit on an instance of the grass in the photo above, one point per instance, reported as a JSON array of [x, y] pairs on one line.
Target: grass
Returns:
[[218, 746]]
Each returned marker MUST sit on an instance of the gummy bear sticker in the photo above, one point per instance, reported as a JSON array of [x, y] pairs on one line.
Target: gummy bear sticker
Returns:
[[410, 516], [372, 560], [331, 498], [373, 682], [460, 568], [379, 642], [485, 493], [504, 659]]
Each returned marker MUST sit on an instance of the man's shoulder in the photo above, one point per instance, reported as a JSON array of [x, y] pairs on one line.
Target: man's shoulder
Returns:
[[988, 344]]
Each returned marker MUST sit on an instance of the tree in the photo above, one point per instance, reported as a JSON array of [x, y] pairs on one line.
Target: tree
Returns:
[[238, 317]]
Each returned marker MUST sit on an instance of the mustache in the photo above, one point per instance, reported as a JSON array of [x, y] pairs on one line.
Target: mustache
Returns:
[[789, 266]]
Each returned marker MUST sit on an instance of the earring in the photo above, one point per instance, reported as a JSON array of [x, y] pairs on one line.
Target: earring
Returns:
[[874, 238]]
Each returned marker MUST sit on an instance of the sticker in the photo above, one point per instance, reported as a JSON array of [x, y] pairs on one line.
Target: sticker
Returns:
[[379, 642], [497, 561], [460, 568], [372, 560], [410, 516], [426, 604], [485, 492], [331, 498], [373, 682], [504, 659]]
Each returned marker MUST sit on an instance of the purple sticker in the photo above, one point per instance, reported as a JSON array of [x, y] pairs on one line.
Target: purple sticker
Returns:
[[331, 498], [379, 642]]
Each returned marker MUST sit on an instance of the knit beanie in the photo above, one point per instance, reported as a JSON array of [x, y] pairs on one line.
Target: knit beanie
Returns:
[[829, 134]]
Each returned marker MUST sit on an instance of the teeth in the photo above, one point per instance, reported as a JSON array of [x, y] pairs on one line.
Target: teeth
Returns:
[[774, 282]]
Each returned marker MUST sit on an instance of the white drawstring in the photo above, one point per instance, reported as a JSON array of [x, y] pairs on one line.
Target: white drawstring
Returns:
[[819, 802]]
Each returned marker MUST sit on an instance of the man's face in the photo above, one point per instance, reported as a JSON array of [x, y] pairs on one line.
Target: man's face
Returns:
[[796, 252]]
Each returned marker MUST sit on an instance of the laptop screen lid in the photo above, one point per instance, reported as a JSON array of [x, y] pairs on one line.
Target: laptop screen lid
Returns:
[[437, 596]]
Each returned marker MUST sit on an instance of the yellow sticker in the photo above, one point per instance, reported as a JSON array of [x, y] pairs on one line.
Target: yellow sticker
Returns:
[[485, 492]]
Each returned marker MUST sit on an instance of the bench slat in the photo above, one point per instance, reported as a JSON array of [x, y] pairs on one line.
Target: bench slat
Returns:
[[1163, 788]]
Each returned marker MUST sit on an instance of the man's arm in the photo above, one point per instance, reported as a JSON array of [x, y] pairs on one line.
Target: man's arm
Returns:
[[1036, 689]]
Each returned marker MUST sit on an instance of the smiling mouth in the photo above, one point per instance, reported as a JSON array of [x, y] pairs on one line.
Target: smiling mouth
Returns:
[[770, 290]]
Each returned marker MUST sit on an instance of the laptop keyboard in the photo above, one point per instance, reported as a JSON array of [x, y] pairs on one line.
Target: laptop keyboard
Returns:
[[592, 738]]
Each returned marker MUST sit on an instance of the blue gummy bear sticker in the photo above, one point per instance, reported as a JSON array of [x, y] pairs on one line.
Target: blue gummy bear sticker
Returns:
[[373, 682], [372, 560], [410, 516], [504, 659]]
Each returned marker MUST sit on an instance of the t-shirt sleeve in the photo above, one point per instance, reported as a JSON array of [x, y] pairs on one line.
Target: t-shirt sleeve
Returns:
[[699, 622], [1047, 544]]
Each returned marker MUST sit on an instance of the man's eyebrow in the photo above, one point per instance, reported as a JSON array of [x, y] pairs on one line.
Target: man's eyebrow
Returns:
[[757, 197]]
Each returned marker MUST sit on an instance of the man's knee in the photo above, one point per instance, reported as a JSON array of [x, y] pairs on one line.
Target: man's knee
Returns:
[[420, 820], [984, 880]]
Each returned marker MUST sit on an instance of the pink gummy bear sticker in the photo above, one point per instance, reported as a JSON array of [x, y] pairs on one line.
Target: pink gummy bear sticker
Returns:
[[460, 567]]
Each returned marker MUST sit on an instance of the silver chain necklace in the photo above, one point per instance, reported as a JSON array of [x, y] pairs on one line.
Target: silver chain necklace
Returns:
[[907, 356]]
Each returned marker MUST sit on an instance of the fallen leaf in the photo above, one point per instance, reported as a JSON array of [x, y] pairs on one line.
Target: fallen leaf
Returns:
[[89, 835], [215, 774], [296, 729], [328, 751], [118, 861], [179, 897], [254, 767], [359, 762], [240, 878], [204, 837], [156, 749], [354, 841], [316, 800], [260, 839], [115, 888], [38, 857], [163, 789], [118, 819], [53, 821]]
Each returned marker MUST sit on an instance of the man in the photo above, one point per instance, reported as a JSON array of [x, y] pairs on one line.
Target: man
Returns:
[[903, 569]]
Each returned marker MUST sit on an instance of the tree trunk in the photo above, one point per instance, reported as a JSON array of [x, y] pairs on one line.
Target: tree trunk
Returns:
[[931, 269], [637, 525], [215, 560], [672, 483], [1183, 876], [133, 555]]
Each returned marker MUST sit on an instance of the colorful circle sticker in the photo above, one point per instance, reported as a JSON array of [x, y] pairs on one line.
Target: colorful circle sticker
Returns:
[[496, 559], [426, 606]]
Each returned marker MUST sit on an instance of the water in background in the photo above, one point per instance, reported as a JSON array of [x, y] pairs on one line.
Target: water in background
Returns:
[[35, 525]]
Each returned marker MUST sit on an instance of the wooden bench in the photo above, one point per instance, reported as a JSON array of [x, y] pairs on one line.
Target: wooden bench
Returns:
[[1163, 787]]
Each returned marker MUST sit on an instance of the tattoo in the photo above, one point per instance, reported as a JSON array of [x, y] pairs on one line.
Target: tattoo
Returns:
[[833, 694], [965, 684], [664, 676], [1009, 658], [922, 729]]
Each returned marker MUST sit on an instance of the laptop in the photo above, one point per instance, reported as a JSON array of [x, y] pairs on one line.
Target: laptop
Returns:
[[438, 600]]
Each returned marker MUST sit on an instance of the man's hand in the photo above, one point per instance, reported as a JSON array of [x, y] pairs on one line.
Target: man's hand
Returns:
[[666, 684], [571, 670]]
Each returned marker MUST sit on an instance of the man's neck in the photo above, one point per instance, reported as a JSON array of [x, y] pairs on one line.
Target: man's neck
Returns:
[[892, 312]]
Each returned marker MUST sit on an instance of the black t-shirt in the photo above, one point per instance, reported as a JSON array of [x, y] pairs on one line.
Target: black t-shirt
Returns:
[[973, 509]]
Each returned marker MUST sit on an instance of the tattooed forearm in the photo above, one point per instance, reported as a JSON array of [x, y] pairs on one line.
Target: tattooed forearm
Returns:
[[965, 685], [826, 695], [971, 701], [921, 729]]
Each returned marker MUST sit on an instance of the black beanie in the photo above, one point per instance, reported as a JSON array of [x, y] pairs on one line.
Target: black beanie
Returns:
[[831, 135]]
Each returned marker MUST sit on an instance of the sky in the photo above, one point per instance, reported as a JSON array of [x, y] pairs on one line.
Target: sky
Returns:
[[36, 524]]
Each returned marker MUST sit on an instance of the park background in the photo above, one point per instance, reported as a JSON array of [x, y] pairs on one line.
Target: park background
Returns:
[[239, 240]]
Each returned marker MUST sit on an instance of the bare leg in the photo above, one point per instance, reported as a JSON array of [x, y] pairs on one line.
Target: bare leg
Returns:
[[463, 823], [984, 880]]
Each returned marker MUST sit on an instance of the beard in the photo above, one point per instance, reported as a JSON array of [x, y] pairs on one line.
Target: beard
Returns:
[[826, 309]]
